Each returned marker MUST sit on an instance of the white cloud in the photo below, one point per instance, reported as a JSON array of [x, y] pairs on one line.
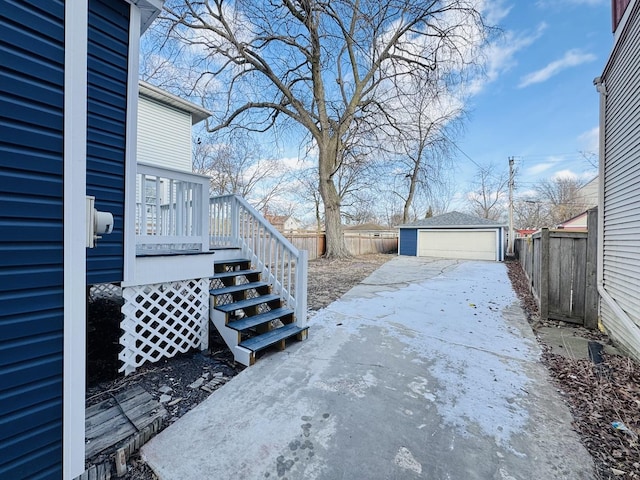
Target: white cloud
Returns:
[[527, 194], [564, 174], [546, 164], [568, 174], [539, 168], [590, 140], [294, 164], [499, 56], [495, 11], [572, 58]]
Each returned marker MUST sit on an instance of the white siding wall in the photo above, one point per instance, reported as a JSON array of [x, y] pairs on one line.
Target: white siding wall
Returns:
[[621, 215], [164, 135]]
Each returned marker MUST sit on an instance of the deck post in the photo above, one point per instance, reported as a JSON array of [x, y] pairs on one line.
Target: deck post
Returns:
[[204, 216], [235, 221], [301, 288]]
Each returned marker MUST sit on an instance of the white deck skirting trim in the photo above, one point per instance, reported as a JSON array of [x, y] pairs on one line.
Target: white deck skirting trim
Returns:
[[162, 320]]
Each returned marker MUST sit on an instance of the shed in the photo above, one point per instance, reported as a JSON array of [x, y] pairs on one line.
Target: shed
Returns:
[[453, 235]]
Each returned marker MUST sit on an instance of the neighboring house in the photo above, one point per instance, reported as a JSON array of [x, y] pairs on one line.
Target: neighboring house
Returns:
[[165, 141], [284, 223], [454, 235], [164, 128], [68, 95], [525, 232], [587, 195], [619, 206], [575, 224]]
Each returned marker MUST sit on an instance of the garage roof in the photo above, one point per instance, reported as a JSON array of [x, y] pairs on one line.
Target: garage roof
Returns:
[[453, 219]]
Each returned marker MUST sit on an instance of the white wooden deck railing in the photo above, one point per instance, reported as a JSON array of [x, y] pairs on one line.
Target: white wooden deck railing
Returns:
[[234, 223], [172, 211]]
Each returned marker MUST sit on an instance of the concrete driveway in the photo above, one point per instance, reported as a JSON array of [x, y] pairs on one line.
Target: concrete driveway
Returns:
[[428, 369]]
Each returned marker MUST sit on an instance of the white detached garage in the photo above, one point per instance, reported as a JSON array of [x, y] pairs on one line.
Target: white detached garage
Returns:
[[453, 235]]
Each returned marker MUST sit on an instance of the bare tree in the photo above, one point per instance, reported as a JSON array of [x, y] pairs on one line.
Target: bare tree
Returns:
[[489, 192], [306, 190], [560, 194], [531, 213], [328, 67], [428, 117], [238, 166]]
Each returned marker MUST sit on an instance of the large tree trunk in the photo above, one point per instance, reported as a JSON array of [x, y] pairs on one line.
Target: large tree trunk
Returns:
[[335, 245], [409, 201]]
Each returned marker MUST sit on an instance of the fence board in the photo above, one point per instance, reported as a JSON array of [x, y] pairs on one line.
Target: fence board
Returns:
[[579, 291], [357, 243], [561, 268], [556, 256]]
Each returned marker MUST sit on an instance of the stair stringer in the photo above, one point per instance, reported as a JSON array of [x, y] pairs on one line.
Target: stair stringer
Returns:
[[231, 337]]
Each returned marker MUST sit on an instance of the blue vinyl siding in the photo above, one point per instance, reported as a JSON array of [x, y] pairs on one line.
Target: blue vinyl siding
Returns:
[[31, 238], [106, 124], [408, 241]]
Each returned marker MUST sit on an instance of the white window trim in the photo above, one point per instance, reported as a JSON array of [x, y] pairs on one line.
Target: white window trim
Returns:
[[75, 176]]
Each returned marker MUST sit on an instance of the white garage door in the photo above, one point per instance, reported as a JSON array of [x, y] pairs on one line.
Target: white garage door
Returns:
[[463, 244]]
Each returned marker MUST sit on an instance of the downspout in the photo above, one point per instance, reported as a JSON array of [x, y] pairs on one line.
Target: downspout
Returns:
[[600, 87], [632, 329]]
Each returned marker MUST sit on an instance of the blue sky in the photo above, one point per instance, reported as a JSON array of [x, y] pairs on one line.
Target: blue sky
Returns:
[[538, 102]]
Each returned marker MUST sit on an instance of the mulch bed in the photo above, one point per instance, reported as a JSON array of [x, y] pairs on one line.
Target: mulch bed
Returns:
[[604, 398]]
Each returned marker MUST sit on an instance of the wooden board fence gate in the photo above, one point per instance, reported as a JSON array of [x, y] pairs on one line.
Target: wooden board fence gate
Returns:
[[561, 268]]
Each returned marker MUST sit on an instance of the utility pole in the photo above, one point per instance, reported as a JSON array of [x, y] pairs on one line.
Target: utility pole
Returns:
[[510, 243]]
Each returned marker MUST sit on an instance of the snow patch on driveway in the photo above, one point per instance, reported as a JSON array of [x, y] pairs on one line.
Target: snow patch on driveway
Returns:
[[460, 328]]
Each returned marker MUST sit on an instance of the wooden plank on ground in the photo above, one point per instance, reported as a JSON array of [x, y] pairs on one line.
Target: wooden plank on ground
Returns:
[[118, 418], [108, 434], [141, 409]]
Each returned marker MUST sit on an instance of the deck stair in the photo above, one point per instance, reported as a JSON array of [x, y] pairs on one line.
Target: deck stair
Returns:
[[249, 317]]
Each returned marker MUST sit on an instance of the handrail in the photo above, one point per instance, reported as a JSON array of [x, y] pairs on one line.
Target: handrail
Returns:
[[235, 223], [171, 209]]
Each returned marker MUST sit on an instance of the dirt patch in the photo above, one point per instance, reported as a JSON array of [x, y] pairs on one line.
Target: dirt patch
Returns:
[[330, 279], [604, 398]]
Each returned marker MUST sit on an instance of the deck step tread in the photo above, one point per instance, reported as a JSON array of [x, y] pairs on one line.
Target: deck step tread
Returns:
[[255, 320], [233, 261], [249, 302], [237, 288], [265, 340], [234, 273]]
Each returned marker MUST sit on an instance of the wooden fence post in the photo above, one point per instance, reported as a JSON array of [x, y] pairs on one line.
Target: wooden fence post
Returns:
[[591, 293], [544, 274]]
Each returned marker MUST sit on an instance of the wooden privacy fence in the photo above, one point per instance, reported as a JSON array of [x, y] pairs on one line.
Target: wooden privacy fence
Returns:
[[312, 242], [358, 243], [561, 268]]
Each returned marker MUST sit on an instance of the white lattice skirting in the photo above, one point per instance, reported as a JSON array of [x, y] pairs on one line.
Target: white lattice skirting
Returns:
[[105, 290], [162, 320]]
